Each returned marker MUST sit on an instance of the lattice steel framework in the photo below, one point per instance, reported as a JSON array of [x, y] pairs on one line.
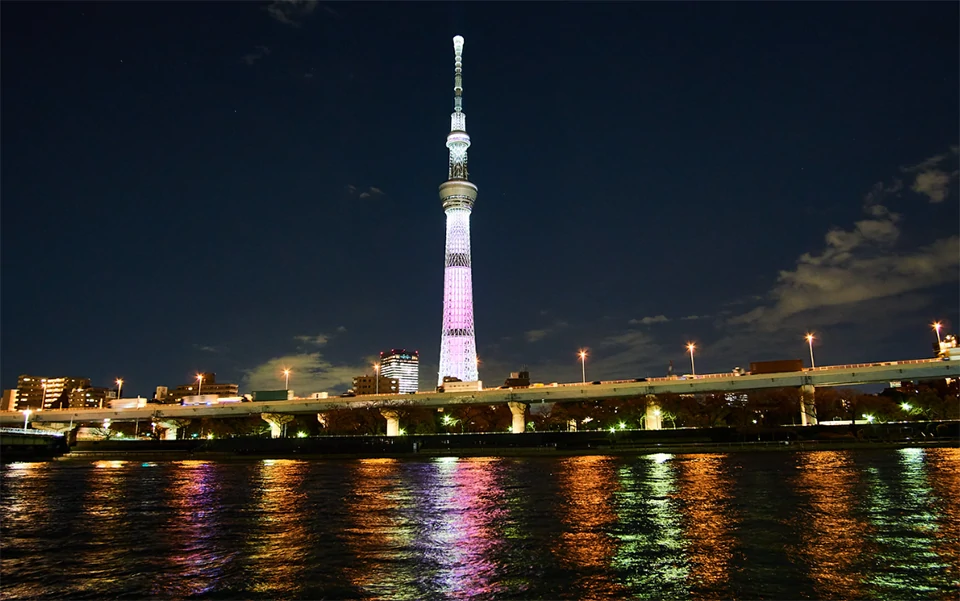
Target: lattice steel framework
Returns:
[[458, 346]]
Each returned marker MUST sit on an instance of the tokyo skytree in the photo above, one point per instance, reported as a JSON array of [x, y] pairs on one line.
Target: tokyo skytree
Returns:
[[458, 346]]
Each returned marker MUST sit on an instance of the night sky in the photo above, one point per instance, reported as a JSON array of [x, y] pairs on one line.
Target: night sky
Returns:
[[238, 187]]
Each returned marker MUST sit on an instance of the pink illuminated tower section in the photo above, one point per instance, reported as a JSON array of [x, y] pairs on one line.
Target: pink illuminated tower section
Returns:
[[458, 346]]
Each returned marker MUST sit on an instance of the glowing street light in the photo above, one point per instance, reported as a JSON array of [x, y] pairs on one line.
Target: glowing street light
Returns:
[[26, 416], [906, 406], [693, 368], [936, 326], [119, 388], [199, 383], [376, 369], [810, 338], [286, 378], [43, 399], [583, 365]]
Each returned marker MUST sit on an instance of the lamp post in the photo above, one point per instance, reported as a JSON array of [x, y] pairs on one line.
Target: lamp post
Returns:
[[936, 326], [810, 338], [376, 376], [119, 388], [199, 383], [693, 368], [26, 416], [286, 378], [583, 365], [43, 396]]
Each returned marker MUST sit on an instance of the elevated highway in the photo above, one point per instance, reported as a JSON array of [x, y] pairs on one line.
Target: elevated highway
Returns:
[[807, 380]]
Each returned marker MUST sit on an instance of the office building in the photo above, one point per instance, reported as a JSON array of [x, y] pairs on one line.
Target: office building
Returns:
[[368, 385], [404, 366]]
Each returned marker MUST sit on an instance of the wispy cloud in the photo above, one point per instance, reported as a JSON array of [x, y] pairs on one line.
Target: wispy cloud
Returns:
[[693, 317], [859, 264], [310, 372], [291, 12], [206, 348], [933, 175], [318, 340], [252, 57], [369, 192], [649, 320], [540, 334]]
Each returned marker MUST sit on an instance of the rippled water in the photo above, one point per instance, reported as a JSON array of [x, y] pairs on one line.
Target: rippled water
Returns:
[[836, 525]]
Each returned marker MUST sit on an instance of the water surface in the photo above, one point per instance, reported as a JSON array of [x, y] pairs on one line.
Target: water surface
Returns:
[[879, 524]]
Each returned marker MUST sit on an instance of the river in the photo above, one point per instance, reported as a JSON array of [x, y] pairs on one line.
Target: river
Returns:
[[827, 524]]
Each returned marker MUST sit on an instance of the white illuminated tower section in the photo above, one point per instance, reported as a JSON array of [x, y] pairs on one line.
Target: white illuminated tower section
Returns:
[[458, 347]]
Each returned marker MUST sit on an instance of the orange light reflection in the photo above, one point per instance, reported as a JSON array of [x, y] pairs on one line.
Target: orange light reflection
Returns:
[[587, 486]]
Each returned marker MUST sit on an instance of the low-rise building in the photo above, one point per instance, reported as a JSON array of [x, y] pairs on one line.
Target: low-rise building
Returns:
[[93, 397], [9, 400], [206, 383], [368, 385]]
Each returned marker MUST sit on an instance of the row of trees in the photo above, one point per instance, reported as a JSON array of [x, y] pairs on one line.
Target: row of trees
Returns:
[[765, 408]]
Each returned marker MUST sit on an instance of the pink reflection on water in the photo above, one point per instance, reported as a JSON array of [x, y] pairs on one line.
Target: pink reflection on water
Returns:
[[468, 530]]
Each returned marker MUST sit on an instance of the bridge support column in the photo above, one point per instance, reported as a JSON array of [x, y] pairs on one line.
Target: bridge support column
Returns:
[[171, 428], [653, 420], [322, 418], [571, 425], [276, 421], [519, 411], [393, 421], [808, 410]]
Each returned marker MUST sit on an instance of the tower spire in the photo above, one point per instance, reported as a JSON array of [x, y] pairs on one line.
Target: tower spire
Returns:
[[458, 347]]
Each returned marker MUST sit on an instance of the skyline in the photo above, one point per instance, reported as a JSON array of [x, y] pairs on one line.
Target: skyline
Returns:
[[619, 193]]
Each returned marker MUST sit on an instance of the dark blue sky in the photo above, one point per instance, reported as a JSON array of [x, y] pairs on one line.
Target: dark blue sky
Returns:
[[235, 187]]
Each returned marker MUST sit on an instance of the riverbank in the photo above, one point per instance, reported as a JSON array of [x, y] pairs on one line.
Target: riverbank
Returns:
[[159, 455]]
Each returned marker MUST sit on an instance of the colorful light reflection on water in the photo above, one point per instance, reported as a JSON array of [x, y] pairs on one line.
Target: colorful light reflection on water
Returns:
[[830, 525]]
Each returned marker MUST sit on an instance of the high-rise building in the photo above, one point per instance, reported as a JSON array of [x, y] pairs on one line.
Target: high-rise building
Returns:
[[38, 392], [458, 346], [368, 385], [403, 365]]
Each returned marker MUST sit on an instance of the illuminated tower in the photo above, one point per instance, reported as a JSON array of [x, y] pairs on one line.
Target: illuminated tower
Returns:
[[458, 347]]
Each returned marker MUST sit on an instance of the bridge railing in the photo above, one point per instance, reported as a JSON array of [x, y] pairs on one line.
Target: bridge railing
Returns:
[[29, 431]]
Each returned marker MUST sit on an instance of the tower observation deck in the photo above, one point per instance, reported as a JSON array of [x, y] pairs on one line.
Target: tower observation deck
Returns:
[[458, 346]]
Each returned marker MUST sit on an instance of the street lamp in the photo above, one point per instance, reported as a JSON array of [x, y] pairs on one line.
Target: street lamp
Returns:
[[119, 388], [26, 416], [199, 383], [809, 338], [583, 365], [286, 378], [43, 398], [376, 370], [936, 326], [693, 367]]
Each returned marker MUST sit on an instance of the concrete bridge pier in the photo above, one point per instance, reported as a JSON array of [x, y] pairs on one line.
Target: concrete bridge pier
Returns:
[[519, 411], [653, 420], [322, 418], [393, 421], [808, 410], [171, 427], [276, 421], [571, 425]]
